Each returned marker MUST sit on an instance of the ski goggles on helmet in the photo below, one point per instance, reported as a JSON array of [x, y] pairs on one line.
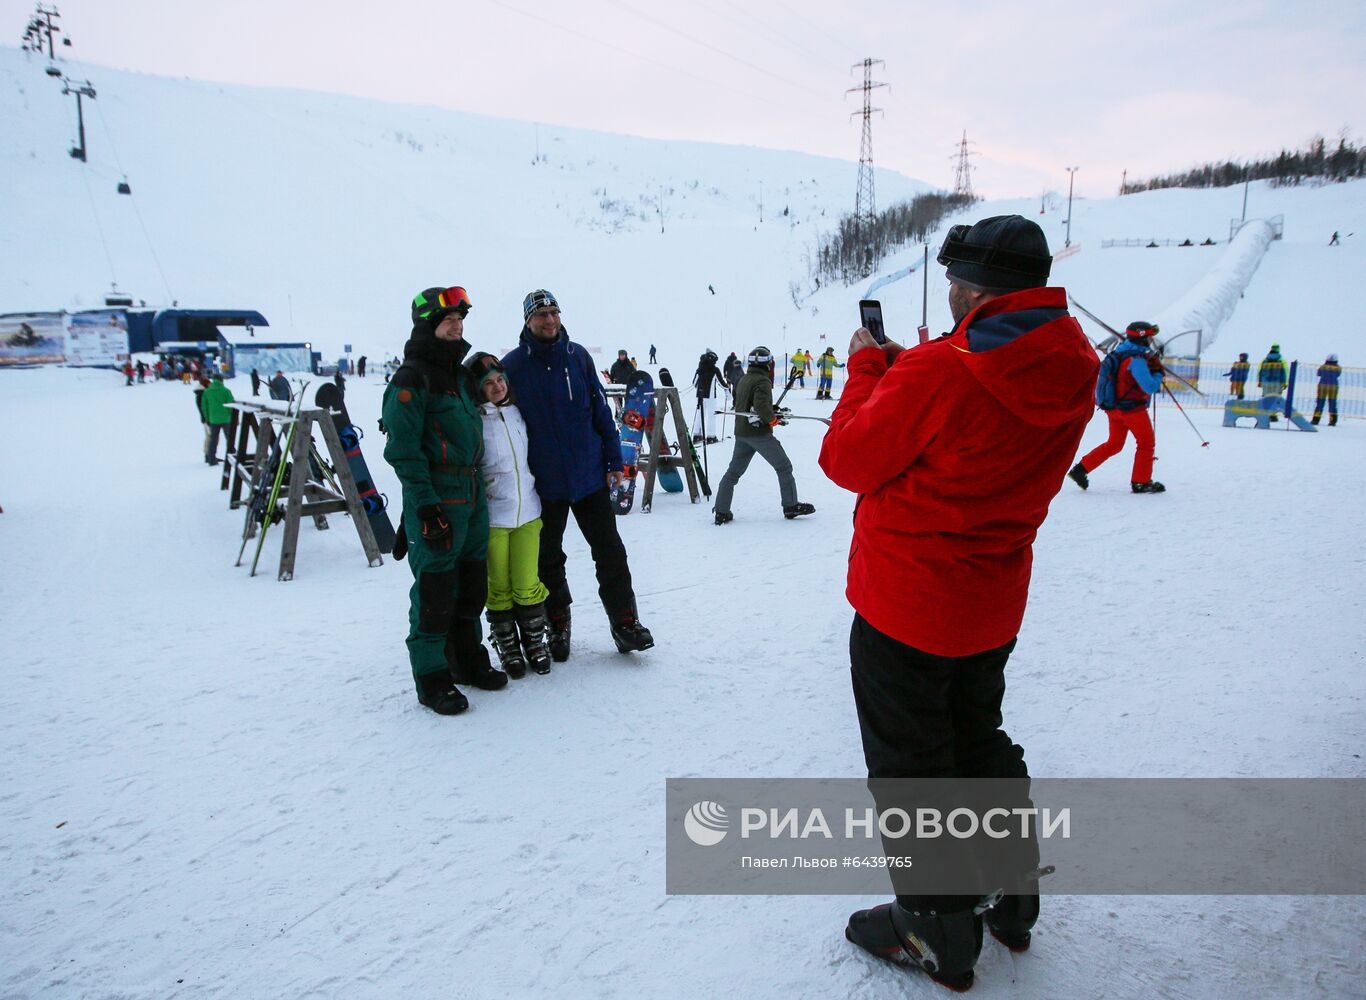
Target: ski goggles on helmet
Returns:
[[435, 303], [484, 365], [957, 250]]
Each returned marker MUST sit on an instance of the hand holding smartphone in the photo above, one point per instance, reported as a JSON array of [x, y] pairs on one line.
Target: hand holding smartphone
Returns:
[[870, 318]]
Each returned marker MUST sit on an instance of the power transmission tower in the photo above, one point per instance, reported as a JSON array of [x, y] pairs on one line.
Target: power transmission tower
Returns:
[[962, 177], [865, 200]]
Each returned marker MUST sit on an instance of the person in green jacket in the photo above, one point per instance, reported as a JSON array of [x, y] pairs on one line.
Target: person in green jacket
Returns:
[[213, 407], [435, 444]]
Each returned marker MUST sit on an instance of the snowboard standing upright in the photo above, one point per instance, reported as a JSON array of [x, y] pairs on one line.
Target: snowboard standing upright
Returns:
[[330, 397], [635, 412]]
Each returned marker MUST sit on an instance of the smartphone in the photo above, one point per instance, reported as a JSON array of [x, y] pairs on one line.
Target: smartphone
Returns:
[[870, 317]]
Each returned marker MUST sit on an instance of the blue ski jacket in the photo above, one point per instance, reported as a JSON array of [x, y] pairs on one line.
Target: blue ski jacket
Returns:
[[573, 438]]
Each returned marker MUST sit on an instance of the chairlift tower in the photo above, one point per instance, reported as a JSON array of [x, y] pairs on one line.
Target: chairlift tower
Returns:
[[82, 89], [42, 25], [865, 199], [962, 177]]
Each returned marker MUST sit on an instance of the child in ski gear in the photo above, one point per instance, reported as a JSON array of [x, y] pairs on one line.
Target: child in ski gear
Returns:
[[1237, 376], [1129, 375], [825, 367], [754, 435], [1271, 373], [955, 448], [213, 404], [707, 378], [435, 445], [574, 451], [516, 597], [1329, 374]]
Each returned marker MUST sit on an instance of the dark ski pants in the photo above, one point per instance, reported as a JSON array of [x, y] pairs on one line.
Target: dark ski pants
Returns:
[[770, 449], [449, 587], [927, 716], [597, 520]]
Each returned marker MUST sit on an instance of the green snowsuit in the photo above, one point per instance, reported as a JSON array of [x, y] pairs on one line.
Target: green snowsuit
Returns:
[[435, 445]]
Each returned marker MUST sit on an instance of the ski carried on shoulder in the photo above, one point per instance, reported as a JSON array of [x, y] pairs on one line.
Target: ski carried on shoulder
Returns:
[[1116, 338]]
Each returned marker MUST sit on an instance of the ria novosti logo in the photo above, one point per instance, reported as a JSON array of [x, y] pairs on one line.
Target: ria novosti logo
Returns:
[[706, 824]]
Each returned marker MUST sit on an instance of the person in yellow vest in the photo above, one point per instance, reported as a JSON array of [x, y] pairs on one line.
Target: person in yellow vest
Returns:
[[825, 368], [800, 359], [1329, 374]]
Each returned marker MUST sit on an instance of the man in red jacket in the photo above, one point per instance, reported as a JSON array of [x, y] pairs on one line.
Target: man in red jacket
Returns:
[[955, 449]]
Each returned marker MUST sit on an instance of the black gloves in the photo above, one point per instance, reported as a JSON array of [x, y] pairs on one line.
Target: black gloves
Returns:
[[436, 530]]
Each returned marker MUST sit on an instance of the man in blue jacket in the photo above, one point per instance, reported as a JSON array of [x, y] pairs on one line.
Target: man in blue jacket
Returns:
[[574, 452]]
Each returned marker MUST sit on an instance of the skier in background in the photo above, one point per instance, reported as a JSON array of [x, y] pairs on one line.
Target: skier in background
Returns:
[[1271, 373], [279, 387], [1329, 374], [652, 354], [360, 367], [1237, 376], [435, 443], [799, 363], [213, 405], [1128, 377], [734, 370], [621, 369], [825, 367], [707, 378], [255, 382]]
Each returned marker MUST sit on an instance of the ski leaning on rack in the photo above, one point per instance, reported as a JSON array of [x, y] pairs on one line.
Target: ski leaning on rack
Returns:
[[330, 398], [635, 411], [666, 378], [270, 512], [261, 488]]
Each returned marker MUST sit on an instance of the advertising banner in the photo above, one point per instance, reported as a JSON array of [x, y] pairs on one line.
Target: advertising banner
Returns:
[[32, 339], [97, 339]]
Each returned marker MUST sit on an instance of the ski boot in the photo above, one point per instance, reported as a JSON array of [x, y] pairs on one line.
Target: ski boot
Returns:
[[1078, 475], [1151, 486], [1314, 420], [797, 510], [723, 517], [1012, 918], [559, 634], [439, 693], [944, 946], [629, 635], [531, 622], [503, 633]]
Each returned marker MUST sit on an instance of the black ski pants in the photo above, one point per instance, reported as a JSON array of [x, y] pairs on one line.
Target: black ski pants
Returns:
[[927, 716], [597, 520]]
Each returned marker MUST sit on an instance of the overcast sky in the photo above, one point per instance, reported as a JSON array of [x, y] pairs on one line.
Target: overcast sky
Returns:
[[1148, 86]]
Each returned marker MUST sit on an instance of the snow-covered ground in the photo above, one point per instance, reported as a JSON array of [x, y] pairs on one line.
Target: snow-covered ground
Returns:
[[216, 786]]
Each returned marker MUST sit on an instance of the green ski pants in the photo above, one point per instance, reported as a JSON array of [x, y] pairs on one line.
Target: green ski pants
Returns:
[[449, 587], [514, 577]]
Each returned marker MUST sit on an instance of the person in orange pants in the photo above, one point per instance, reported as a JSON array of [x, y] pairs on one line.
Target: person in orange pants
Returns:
[[1129, 376]]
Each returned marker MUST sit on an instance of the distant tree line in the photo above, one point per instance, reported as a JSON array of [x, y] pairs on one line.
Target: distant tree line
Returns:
[[850, 255], [1315, 162]]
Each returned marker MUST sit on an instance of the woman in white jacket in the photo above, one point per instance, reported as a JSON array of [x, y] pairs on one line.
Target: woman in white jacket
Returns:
[[516, 599]]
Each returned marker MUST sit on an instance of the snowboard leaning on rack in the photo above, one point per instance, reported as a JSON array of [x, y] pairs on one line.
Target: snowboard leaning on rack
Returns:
[[635, 411], [329, 397]]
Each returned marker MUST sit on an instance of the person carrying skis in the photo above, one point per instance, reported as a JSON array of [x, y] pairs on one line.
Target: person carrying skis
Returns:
[[1237, 376], [955, 448], [754, 435], [1272, 373], [706, 379], [825, 367], [574, 451], [1129, 375], [516, 599], [435, 443], [1330, 372], [213, 405]]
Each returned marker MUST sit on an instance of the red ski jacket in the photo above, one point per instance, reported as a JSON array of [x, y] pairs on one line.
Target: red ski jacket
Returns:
[[956, 449]]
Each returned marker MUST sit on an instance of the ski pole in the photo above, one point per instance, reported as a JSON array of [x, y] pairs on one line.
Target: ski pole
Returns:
[[1203, 442]]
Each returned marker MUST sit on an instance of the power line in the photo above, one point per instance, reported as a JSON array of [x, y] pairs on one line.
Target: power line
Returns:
[[710, 47]]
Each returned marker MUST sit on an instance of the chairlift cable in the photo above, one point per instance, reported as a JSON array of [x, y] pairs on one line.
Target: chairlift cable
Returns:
[[137, 211]]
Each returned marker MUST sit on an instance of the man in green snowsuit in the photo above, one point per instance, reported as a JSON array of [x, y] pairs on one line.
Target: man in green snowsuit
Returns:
[[435, 445]]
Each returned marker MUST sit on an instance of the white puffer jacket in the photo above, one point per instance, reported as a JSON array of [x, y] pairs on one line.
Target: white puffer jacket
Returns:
[[508, 482]]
